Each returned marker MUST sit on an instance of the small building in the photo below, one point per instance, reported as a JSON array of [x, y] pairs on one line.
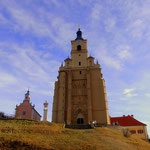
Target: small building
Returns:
[[26, 110], [135, 127]]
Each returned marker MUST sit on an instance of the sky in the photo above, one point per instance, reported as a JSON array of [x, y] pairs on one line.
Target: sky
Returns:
[[35, 38]]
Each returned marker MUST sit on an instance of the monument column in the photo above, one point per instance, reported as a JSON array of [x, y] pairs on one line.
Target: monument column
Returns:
[[45, 111]]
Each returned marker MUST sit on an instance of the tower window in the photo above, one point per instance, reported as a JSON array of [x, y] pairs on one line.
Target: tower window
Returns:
[[79, 63], [79, 47], [80, 72]]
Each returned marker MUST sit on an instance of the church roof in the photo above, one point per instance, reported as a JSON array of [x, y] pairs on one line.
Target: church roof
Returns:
[[67, 59], [126, 121], [91, 57], [35, 110]]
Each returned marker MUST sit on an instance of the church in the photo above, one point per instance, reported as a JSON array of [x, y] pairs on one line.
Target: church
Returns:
[[80, 94], [26, 110]]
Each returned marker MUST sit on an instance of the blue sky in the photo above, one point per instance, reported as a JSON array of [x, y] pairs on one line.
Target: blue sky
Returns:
[[35, 38]]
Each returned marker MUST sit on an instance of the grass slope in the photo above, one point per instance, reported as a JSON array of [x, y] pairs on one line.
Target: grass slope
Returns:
[[23, 134]]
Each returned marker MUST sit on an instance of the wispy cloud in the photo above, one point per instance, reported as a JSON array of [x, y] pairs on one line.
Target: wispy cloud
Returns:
[[6, 79], [126, 91], [109, 24], [45, 25], [29, 67], [148, 95], [96, 12], [102, 54], [129, 92], [124, 51]]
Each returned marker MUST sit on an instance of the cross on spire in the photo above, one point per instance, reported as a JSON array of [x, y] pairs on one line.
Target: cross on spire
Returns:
[[79, 26]]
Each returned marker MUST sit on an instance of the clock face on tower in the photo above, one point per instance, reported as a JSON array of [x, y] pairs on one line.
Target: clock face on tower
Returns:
[[78, 42]]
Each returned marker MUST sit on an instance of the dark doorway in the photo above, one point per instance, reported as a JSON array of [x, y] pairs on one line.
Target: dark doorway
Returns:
[[80, 121]]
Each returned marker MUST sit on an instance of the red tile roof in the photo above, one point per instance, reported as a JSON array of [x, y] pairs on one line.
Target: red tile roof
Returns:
[[126, 121]]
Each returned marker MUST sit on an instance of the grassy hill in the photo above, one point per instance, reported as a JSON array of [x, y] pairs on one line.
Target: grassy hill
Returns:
[[23, 134]]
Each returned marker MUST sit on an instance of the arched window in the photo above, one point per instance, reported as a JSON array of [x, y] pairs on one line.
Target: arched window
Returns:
[[24, 113], [79, 47]]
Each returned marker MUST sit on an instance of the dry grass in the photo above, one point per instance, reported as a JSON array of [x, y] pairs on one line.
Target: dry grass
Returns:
[[23, 134]]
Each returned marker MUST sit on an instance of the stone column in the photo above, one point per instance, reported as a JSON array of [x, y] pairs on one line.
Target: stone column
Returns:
[[61, 97], [89, 96], [55, 103], [69, 97]]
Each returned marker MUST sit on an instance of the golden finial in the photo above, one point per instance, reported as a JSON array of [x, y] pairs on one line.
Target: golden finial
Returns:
[[79, 26]]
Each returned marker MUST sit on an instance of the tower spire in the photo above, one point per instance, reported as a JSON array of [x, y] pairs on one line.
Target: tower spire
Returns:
[[79, 33], [27, 95]]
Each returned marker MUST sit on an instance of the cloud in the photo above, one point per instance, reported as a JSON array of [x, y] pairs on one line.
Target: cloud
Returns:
[[148, 95], [131, 95], [96, 12], [55, 2], [25, 21], [102, 54], [2, 19], [109, 24], [84, 3], [128, 92], [137, 23], [29, 66], [45, 25], [6, 79], [123, 51]]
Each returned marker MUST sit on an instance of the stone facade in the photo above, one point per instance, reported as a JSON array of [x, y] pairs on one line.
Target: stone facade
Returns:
[[26, 111], [80, 93]]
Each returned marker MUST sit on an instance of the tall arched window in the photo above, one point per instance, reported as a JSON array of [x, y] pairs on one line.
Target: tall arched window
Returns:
[[79, 47]]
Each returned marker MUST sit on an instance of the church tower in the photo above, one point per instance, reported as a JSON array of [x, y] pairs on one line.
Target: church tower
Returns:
[[80, 94]]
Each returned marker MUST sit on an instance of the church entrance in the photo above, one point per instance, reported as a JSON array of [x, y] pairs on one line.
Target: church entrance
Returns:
[[80, 119]]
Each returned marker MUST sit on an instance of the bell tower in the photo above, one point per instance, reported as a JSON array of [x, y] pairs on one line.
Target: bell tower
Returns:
[[79, 52], [80, 94], [27, 96]]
